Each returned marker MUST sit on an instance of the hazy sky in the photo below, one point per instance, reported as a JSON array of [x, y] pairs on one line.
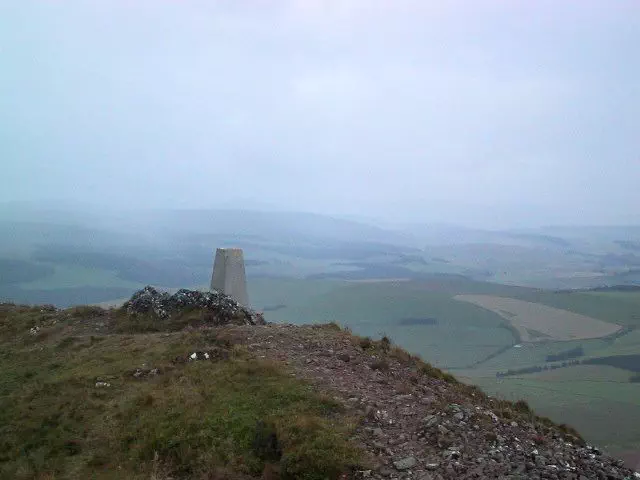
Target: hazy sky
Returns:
[[496, 112]]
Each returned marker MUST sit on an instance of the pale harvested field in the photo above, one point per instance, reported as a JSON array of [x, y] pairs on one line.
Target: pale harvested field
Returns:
[[380, 280], [536, 322]]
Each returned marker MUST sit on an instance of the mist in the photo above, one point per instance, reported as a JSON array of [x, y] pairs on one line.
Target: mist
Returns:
[[488, 114]]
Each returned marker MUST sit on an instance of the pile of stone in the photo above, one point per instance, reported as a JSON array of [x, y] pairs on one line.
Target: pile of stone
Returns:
[[221, 308]]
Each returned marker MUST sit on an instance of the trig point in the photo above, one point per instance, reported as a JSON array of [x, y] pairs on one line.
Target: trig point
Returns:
[[228, 275]]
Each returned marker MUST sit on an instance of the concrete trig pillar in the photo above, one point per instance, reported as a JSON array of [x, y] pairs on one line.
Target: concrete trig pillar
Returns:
[[229, 276]]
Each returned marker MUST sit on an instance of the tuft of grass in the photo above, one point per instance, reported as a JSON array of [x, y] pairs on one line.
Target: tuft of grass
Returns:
[[333, 326], [506, 413], [67, 342], [366, 343], [571, 433], [381, 364], [475, 391], [86, 311], [312, 450], [523, 407], [431, 371], [385, 343], [401, 355]]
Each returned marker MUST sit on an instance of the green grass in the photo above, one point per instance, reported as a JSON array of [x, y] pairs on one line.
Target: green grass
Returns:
[[191, 420]]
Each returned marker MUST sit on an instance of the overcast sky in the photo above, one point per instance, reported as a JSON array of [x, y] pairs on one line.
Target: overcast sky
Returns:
[[471, 112]]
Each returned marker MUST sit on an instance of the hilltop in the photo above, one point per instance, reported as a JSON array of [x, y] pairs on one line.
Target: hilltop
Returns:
[[193, 386]]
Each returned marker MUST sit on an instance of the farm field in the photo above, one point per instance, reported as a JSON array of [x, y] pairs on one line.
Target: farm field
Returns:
[[622, 308], [536, 322], [529, 354]]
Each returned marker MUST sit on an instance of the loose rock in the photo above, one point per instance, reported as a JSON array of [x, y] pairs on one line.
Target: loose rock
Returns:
[[221, 308], [405, 463]]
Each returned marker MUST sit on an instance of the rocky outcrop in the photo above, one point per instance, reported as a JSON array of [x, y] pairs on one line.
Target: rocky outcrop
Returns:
[[221, 308]]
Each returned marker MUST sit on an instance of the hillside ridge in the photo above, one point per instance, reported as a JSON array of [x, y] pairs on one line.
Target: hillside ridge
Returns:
[[313, 401]]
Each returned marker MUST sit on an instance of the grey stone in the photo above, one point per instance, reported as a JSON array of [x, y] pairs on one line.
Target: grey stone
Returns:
[[344, 357], [443, 430], [379, 446], [405, 463], [431, 420], [386, 471], [520, 469], [540, 461], [223, 308], [451, 472]]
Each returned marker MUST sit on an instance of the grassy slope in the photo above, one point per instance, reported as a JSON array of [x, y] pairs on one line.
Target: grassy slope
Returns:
[[196, 419]]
